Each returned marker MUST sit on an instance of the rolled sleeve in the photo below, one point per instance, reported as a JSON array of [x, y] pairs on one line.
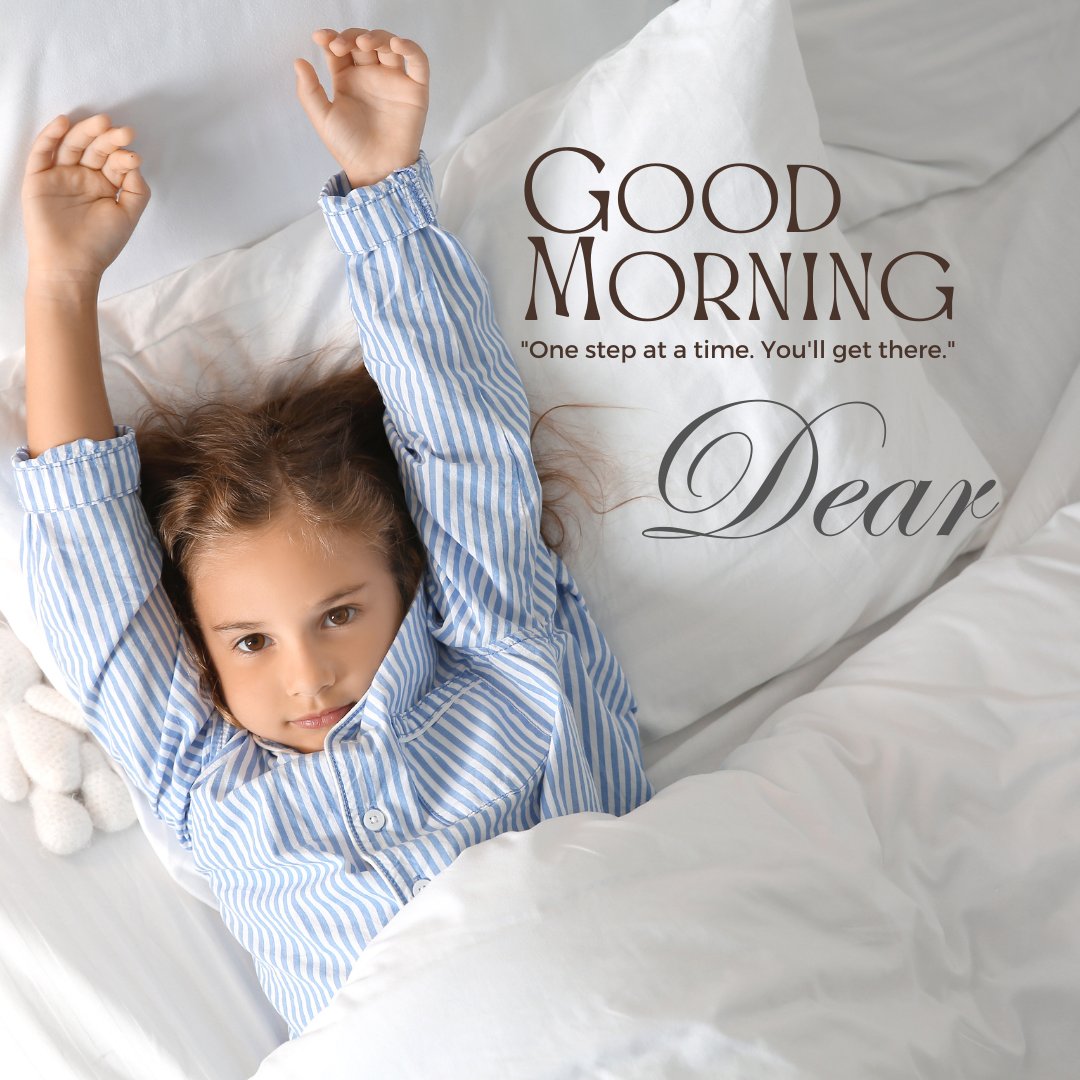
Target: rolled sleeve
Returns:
[[78, 473], [394, 207]]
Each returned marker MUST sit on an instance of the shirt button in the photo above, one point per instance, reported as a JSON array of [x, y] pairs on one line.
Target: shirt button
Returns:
[[420, 885], [374, 819]]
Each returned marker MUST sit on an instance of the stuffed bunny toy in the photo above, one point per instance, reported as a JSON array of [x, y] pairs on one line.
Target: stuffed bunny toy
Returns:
[[48, 756]]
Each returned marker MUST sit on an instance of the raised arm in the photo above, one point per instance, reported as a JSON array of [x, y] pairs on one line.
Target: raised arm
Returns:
[[456, 412], [75, 226], [91, 562]]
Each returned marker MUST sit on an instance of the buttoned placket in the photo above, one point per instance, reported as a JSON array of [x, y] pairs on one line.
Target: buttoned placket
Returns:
[[371, 818]]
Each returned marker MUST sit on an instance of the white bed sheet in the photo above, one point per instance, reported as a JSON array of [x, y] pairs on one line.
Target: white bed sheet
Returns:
[[109, 971]]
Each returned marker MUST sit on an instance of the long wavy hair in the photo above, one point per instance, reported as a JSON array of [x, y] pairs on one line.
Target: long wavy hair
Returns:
[[314, 440]]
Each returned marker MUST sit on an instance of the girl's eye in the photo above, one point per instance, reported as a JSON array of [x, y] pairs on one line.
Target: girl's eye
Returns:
[[252, 643], [341, 616]]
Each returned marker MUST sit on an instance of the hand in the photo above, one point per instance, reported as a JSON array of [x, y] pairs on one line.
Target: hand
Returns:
[[82, 197], [376, 120]]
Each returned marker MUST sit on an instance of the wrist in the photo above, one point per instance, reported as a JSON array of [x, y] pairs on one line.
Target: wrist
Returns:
[[370, 176], [61, 286]]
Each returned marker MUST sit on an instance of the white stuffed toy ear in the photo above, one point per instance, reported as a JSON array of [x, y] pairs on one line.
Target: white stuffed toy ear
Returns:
[[45, 699]]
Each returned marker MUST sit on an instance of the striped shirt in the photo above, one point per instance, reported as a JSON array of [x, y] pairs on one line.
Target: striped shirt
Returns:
[[498, 704]]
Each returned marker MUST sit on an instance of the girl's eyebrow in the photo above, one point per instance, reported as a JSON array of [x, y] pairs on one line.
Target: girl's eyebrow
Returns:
[[333, 598]]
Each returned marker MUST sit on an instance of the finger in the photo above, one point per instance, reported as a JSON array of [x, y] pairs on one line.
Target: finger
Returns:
[[416, 61], [134, 183], [349, 45], [43, 148], [73, 145], [134, 194], [389, 58], [337, 59], [96, 154], [311, 93], [374, 47], [118, 164]]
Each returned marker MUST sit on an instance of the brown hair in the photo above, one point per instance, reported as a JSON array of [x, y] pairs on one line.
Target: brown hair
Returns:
[[315, 440]]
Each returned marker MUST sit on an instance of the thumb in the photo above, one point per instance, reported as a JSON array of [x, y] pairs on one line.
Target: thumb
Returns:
[[310, 92], [134, 195]]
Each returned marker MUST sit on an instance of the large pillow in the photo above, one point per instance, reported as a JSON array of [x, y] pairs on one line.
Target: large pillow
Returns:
[[696, 620], [699, 606], [209, 89], [918, 97]]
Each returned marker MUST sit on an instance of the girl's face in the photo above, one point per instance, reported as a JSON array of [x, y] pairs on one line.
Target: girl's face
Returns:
[[295, 634]]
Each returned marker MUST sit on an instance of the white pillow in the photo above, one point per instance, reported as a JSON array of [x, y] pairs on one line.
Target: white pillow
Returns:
[[917, 97], [697, 621]]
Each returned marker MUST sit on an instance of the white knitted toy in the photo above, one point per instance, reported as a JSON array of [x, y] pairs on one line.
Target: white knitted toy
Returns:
[[47, 754]]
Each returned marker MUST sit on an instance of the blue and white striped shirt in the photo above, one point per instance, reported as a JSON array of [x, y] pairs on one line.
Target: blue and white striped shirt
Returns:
[[499, 703]]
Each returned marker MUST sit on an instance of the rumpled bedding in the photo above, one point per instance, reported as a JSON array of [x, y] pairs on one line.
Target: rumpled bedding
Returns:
[[866, 872], [884, 881]]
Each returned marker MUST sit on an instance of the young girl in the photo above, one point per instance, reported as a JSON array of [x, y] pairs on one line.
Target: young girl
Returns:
[[350, 672]]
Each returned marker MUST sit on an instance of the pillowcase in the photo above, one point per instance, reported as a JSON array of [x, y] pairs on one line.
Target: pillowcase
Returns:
[[917, 97], [698, 606]]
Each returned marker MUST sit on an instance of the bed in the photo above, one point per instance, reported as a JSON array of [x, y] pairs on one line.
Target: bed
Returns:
[[862, 858]]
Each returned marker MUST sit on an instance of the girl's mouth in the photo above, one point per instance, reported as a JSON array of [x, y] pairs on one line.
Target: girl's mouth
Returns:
[[323, 719]]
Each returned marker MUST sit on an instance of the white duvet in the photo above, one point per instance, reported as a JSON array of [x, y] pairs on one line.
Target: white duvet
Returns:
[[883, 882]]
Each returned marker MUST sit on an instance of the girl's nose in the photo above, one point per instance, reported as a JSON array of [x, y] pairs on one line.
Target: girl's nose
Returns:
[[311, 672]]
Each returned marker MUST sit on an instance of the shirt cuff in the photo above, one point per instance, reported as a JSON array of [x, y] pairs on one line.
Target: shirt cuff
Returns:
[[77, 473], [363, 219]]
